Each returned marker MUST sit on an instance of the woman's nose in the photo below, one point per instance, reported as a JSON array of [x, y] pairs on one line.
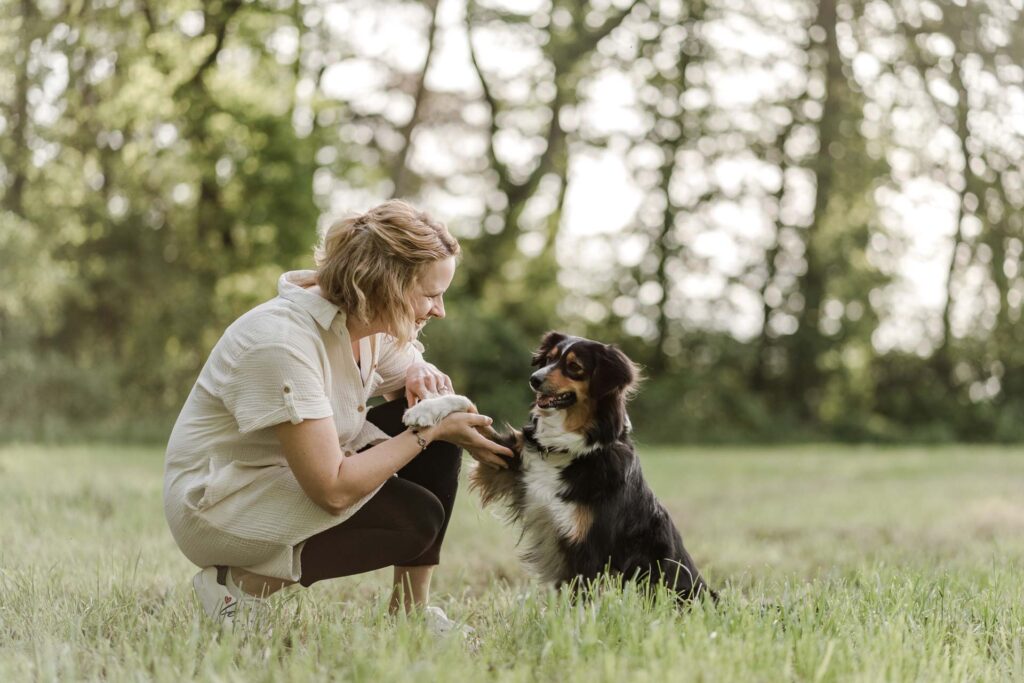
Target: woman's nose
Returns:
[[438, 310]]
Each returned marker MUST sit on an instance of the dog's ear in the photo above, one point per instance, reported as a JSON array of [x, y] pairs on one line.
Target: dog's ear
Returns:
[[550, 341], [613, 372]]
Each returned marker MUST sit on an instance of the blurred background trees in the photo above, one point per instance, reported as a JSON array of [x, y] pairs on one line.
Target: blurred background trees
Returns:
[[803, 218]]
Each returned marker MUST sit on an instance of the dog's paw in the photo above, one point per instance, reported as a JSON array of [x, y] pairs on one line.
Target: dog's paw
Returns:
[[430, 411]]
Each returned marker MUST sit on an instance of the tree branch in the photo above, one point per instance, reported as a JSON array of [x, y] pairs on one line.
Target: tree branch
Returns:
[[400, 170], [504, 182], [147, 12], [554, 139], [228, 11], [595, 36]]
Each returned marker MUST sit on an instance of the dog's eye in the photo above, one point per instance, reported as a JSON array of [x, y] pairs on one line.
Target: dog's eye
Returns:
[[575, 368]]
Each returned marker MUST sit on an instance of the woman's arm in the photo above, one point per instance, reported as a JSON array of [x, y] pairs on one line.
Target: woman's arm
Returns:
[[335, 482]]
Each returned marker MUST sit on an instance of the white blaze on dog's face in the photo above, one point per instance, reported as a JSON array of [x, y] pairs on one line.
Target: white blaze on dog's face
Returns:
[[575, 379]]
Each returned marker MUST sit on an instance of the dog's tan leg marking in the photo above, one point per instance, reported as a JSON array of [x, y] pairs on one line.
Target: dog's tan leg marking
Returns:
[[583, 519]]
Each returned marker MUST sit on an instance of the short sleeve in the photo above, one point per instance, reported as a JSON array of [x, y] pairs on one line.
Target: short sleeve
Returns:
[[273, 383], [393, 361]]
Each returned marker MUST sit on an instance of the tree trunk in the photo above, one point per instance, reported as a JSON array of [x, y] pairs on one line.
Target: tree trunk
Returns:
[[760, 379], [807, 343], [14, 197], [943, 354]]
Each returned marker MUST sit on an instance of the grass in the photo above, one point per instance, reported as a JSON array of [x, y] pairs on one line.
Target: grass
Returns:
[[836, 564]]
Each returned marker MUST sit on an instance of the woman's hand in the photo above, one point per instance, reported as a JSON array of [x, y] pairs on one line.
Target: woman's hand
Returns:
[[484, 456], [423, 380], [463, 430]]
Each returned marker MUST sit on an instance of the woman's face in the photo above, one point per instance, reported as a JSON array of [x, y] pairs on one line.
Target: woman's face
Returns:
[[428, 292]]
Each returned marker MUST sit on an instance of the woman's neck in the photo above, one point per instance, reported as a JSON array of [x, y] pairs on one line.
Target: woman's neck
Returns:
[[357, 329]]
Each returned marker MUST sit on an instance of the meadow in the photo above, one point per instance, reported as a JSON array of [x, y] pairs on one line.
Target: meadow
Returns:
[[834, 564]]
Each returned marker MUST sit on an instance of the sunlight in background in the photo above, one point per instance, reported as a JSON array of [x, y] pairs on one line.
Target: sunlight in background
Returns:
[[793, 242], [603, 197]]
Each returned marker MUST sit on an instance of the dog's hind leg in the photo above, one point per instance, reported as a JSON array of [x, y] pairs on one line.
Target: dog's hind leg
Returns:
[[683, 578]]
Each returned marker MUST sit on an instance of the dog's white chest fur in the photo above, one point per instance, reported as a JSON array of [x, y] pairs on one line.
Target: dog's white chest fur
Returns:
[[550, 432], [546, 517]]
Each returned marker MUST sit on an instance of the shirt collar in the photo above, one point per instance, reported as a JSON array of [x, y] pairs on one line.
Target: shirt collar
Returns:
[[322, 310]]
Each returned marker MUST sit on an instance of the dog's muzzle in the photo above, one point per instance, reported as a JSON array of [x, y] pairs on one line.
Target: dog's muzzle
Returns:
[[545, 399]]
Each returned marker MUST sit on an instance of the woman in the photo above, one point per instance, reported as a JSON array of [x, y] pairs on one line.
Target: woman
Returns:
[[277, 472]]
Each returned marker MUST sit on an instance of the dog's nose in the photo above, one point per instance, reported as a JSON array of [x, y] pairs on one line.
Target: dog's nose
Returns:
[[535, 381]]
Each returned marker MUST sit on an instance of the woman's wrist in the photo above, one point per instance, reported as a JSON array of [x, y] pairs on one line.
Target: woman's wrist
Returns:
[[424, 436]]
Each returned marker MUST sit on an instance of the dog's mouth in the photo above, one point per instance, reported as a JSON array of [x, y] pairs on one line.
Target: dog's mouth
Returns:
[[556, 401]]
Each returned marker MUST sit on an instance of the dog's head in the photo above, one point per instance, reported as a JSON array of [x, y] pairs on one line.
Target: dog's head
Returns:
[[588, 379]]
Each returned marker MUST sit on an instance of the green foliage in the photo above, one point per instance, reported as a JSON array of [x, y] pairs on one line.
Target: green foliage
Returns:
[[162, 164]]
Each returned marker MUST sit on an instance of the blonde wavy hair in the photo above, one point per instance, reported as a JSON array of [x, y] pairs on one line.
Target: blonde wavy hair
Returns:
[[367, 264]]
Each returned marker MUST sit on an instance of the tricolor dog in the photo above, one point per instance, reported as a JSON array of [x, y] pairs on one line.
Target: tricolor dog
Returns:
[[575, 486]]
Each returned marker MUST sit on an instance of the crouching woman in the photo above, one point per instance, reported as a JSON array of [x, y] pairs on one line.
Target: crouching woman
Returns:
[[278, 472]]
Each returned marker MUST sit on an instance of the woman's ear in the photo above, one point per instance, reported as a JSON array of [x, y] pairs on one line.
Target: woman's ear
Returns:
[[550, 341], [613, 372]]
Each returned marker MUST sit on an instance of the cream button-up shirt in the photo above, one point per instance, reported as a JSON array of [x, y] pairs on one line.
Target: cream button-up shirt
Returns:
[[230, 497]]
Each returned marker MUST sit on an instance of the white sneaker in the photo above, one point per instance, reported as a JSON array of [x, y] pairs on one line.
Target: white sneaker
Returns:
[[440, 625], [221, 600]]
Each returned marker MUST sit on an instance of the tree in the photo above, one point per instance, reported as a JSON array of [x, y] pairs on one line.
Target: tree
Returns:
[[565, 40]]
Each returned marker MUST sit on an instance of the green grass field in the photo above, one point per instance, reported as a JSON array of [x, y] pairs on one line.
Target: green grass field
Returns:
[[834, 563]]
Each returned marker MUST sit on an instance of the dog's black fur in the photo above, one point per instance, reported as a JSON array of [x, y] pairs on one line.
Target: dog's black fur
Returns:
[[575, 484]]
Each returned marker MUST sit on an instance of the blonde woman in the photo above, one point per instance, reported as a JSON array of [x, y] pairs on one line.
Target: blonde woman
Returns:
[[278, 472]]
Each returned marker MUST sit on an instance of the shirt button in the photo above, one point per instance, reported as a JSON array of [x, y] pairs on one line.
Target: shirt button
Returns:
[[361, 408], [287, 389]]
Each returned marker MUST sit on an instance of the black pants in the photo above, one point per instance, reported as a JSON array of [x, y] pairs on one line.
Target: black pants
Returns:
[[403, 524]]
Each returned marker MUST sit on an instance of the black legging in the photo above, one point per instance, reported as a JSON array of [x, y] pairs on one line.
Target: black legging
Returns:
[[405, 521]]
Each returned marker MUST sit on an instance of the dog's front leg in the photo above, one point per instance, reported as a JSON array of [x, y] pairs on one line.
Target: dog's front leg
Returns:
[[496, 483]]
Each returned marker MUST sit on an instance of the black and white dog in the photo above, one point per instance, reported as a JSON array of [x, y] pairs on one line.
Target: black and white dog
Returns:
[[575, 486]]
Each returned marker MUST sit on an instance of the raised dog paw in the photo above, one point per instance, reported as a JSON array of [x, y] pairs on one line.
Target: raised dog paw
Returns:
[[430, 411]]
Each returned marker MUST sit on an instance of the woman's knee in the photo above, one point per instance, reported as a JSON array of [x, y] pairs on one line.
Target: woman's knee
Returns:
[[421, 515], [430, 519], [423, 526]]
